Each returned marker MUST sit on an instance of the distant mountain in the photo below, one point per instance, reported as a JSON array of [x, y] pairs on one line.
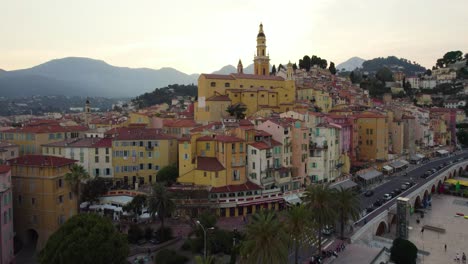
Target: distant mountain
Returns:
[[394, 64], [2, 71], [231, 69], [351, 64], [88, 77]]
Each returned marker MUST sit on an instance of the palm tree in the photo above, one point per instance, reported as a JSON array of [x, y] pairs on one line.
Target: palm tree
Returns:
[[347, 204], [298, 224], [319, 198], [160, 203], [75, 177], [265, 241]]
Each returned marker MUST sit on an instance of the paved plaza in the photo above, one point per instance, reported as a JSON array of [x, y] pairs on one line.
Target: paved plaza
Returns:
[[442, 214]]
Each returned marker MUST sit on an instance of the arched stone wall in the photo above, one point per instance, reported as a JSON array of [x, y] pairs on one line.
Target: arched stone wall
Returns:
[[381, 228]]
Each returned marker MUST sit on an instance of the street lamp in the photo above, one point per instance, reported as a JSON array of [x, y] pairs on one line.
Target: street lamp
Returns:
[[204, 235]]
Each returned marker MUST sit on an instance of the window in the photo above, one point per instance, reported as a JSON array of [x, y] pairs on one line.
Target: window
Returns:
[[227, 85], [156, 167], [186, 156], [61, 219], [107, 159], [251, 95], [314, 165], [70, 195], [96, 159], [107, 151], [5, 217], [20, 199], [108, 171], [150, 154], [60, 183], [96, 172], [96, 151], [253, 151], [142, 166], [233, 148], [235, 175], [241, 147], [253, 165], [204, 174], [213, 84], [207, 146], [60, 199], [150, 166], [33, 201]]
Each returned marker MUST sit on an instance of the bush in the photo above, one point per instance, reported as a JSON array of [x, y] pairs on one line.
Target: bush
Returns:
[[148, 232], [164, 235], [167, 256], [187, 245], [134, 234], [403, 252]]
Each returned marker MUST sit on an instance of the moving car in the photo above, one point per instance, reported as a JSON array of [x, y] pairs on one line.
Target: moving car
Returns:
[[426, 174], [387, 197], [369, 193]]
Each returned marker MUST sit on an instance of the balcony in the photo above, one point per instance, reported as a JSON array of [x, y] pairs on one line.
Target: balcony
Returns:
[[149, 147], [269, 154], [238, 164], [267, 180], [314, 145]]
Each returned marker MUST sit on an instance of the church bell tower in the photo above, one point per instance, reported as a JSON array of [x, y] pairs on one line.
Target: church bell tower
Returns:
[[261, 59]]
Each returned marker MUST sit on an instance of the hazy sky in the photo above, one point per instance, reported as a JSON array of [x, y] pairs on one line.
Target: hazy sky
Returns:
[[197, 36]]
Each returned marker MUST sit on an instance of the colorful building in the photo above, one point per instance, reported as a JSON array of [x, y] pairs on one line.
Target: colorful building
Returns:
[[6, 215], [8, 151], [373, 137], [139, 153], [42, 199]]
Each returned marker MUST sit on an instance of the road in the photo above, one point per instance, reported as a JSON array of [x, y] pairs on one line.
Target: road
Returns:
[[396, 182]]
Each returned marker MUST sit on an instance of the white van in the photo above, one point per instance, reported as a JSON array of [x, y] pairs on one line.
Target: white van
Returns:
[[387, 197]]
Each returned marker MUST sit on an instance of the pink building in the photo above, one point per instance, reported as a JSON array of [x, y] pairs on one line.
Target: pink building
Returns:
[[6, 210]]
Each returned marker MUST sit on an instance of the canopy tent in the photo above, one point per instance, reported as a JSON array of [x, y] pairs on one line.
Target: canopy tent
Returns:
[[399, 164], [415, 157], [346, 184], [387, 168], [292, 199], [420, 156], [370, 175]]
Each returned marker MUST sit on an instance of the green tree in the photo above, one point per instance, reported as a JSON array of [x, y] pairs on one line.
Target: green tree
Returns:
[[93, 189], [237, 110], [320, 200], [305, 63], [75, 179], [332, 68], [160, 203], [403, 252], [347, 205], [294, 66], [85, 238], [462, 136], [273, 70], [136, 205], [266, 240], [428, 72], [169, 256], [168, 174], [280, 66], [298, 226], [384, 75]]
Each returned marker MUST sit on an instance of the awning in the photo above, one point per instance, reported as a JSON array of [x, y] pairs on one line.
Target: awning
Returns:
[[421, 156], [442, 152], [399, 164], [346, 184], [292, 199], [369, 175], [387, 168], [415, 157]]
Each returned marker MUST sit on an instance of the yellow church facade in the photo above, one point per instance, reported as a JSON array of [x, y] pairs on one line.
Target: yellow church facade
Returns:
[[258, 91]]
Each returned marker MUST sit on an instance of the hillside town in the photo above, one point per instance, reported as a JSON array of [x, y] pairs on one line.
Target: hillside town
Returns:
[[246, 142]]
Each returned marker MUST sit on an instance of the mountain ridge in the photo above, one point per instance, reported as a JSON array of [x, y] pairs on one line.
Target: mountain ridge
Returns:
[[351, 64]]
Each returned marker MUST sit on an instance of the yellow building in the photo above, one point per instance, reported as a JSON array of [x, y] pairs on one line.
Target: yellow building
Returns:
[[139, 118], [42, 199], [139, 153], [318, 97], [30, 138], [213, 160], [257, 92], [373, 137]]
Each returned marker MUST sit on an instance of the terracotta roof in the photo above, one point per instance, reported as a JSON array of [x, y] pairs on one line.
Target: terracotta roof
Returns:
[[265, 145], [179, 123], [219, 98], [208, 126], [217, 76], [4, 169], [103, 143], [5, 144], [221, 138], [209, 164], [256, 77], [40, 161], [127, 133], [262, 133], [248, 186], [74, 142]]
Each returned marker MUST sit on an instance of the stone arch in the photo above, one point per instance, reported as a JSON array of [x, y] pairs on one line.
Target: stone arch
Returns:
[[445, 178], [31, 238], [460, 172], [454, 173], [417, 202], [466, 168], [433, 188], [381, 228], [450, 175]]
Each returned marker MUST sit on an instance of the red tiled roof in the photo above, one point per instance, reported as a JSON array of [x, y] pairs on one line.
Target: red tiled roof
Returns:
[[221, 138], [127, 133], [217, 76], [40, 161], [74, 142], [262, 133], [179, 123], [46, 129], [103, 143], [4, 169], [5, 144], [209, 164], [248, 186], [209, 126], [265, 145]]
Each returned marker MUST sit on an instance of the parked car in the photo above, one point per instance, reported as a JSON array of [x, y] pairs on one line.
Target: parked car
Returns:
[[387, 197], [369, 209], [397, 191], [405, 186], [426, 174], [378, 202], [369, 193], [441, 166], [411, 183], [393, 194], [434, 170]]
